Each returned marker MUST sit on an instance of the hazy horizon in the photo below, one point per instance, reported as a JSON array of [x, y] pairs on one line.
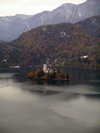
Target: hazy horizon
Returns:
[[30, 7]]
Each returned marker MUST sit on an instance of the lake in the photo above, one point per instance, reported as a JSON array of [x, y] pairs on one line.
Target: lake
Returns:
[[31, 106]]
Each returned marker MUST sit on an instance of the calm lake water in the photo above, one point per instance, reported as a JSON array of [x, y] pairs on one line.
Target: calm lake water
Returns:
[[28, 106]]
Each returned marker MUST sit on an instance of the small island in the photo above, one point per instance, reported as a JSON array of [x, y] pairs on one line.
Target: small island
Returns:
[[48, 74]]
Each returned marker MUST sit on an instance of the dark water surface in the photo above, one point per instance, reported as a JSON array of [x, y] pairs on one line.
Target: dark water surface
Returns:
[[28, 106]]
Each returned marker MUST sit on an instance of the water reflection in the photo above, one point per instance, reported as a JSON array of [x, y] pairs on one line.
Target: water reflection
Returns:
[[43, 92], [92, 96], [48, 82], [41, 106]]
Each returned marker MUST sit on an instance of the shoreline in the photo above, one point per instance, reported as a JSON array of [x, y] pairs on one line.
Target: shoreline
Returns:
[[49, 79]]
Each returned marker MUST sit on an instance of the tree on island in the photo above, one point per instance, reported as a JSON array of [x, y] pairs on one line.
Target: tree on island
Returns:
[[55, 74]]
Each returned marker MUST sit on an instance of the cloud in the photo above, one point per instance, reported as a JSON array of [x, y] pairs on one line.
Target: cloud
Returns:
[[37, 2], [30, 10], [9, 2], [31, 7], [50, 2]]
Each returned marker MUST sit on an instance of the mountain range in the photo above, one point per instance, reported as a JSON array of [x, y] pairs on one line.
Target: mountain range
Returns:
[[63, 43], [13, 26]]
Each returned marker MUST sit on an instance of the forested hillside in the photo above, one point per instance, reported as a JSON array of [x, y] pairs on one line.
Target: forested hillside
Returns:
[[91, 25], [63, 44], [11, 27]]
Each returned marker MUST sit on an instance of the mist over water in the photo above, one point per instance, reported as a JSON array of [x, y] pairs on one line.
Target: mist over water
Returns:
[[28, 106]]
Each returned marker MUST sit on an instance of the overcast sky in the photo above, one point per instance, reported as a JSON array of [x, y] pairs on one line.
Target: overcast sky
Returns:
[[31, 7]]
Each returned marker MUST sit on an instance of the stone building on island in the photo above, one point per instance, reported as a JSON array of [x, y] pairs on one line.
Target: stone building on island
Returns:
[[45, 69]]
